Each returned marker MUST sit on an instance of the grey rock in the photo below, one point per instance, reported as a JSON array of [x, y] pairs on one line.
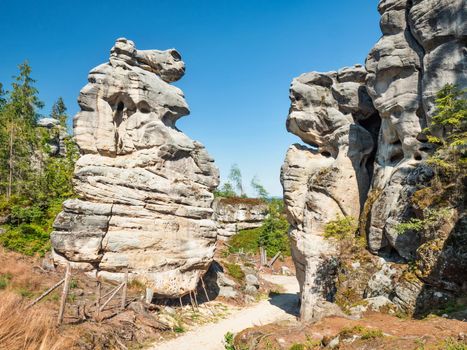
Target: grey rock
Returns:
[[381, 283], [145, 189], [227, 292], [224, 281], [330, 177], [251, 290], [48, 123], [252, 280], [347, 118]]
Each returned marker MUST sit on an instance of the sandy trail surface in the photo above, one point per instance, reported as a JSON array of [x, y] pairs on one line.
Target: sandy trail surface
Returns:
[[282, 306]]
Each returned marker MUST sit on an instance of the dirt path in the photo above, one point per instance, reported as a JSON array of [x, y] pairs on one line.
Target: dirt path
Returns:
[[211, 336]]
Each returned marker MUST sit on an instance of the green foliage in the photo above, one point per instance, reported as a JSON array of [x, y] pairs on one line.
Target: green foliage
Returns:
[[229, 341], [413, 224], [432, 218], [235, 271], [452, 344], [246, 240], [226, 191], [59, 112], [235, 178], [272, 234], [363, 332], [179, 329], [274, 231], [33, 183], [450, 115], [298, 346], [5, 280], [341, 228], [28, 239], [259, 189]]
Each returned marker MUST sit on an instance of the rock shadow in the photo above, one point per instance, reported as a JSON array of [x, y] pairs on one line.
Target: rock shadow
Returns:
[[289, 302]]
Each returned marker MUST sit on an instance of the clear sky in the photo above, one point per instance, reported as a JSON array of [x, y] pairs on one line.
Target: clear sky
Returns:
[[241, 56]]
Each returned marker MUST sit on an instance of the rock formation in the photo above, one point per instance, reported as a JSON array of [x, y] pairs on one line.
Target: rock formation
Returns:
[[144, 188], [363, 130], [235, 214]]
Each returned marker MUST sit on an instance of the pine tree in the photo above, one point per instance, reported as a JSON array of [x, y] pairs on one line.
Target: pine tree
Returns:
[[59, 112]]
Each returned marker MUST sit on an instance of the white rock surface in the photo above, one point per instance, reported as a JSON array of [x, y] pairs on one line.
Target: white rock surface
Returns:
[[235, 214], [145, 189]]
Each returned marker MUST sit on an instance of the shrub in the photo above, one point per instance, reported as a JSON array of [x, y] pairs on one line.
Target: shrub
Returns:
[[29, 239], [273, 233], [246, 240], [341, 228], [235, 271]]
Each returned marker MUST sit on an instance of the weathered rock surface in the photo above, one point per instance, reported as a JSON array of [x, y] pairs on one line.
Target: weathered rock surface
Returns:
[[145, 189], [235, 214], [331, 177], [363, 131]]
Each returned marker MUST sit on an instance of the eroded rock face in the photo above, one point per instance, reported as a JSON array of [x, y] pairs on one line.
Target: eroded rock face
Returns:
[[235, 214], [145, 189], [389, 101], [331, 177]]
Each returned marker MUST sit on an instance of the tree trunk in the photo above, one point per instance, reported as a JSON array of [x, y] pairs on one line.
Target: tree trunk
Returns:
[[10, 161]]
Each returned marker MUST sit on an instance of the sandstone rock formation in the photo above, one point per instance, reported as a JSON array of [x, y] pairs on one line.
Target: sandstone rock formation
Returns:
[[235, 214], [363, 130], [144, 188], [330, 178]]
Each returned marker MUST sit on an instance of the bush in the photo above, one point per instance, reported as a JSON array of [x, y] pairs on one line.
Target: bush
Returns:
[[273, 233], [341, 228], [246, 240], [235, 271], [29, 239]]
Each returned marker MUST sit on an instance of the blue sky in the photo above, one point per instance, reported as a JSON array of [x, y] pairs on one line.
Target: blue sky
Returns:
[[241, 56]]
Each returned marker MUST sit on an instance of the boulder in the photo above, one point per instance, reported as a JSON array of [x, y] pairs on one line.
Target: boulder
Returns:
[[144, 188]]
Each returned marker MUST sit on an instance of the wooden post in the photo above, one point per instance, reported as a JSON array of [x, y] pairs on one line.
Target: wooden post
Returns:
[[149, 295], [47, 292], [66, 288], [111, 297], [263, 256], [125, 286], [180, 300], [191, 301], [204, 288], [273, 260], [98, 298]]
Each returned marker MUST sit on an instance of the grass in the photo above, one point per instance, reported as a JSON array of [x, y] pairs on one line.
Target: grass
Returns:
[[28, 329], [363, 332], [452, 344], [5, 280], [235, 271], [229, 341]]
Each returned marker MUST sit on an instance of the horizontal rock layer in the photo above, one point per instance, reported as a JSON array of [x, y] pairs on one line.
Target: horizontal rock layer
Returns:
[[144, 188]]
